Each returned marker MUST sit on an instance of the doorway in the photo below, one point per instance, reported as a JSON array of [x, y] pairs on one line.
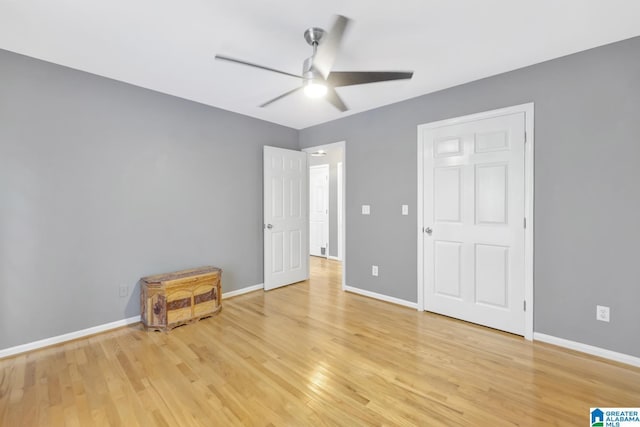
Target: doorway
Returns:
[[319, 210], [329, 158], [475, 218]]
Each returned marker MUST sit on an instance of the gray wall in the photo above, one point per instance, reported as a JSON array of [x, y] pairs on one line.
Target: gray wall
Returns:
[[333, 157], [102, 183], [587, 192]]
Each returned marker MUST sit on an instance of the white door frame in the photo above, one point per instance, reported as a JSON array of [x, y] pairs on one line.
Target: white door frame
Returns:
[[340, 179], [327, 235], [343, 145], [527, 109]]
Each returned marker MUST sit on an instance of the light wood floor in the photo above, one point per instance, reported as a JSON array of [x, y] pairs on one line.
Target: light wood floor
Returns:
[[310, 354]]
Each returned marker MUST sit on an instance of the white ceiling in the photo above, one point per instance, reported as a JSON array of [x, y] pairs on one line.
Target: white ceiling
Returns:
[[169, 45]]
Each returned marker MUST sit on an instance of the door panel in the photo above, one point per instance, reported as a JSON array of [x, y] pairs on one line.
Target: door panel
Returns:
[[296, 249], [447, 268], [491, 194], [447, 191], [492, 275], [277, 245], [285, 217], [473, 185], [491, 141]]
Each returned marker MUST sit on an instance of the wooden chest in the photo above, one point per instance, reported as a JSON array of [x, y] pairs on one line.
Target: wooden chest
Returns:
[[173, 299]]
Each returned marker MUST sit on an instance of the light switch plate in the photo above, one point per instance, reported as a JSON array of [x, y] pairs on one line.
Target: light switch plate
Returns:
[[366, 210], [405, 209]]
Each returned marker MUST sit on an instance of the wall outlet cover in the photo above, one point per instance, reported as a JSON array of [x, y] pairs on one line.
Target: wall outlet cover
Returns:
[[366, 210], [374, 270], [405, 209], [123, 291], [602, 313]]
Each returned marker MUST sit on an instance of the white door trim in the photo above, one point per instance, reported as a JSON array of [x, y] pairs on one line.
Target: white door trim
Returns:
[[343, 145], [340, 176], [528, 110]]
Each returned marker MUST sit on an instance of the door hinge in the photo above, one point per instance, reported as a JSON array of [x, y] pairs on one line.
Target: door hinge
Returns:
[[525, 137], [525, 222], [524, 305]]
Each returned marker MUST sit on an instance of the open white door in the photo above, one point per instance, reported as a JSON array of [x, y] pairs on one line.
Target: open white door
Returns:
[[286, 243]]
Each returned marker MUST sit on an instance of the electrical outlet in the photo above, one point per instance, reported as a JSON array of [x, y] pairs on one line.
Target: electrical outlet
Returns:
[[123, 291], [405, 209], [602, 313], [374, 270], [366, 210]]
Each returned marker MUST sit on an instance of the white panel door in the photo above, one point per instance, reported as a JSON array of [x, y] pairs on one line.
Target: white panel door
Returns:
[[319, 210], [474, 209], [286, 256]]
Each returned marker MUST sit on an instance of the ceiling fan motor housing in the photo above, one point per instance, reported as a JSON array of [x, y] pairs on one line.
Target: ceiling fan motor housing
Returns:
[[313, 35]]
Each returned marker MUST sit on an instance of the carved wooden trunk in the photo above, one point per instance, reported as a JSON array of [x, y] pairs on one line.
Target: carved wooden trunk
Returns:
[[174, 299]]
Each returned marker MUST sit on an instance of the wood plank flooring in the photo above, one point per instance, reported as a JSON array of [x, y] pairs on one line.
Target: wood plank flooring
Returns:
[[310, 355]]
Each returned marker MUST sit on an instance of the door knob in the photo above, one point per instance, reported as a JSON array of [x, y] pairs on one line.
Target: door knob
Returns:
[[428, 230], [269, 226]]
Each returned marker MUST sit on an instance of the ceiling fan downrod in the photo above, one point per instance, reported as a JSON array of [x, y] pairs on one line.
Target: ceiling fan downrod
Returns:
[[313, 36]]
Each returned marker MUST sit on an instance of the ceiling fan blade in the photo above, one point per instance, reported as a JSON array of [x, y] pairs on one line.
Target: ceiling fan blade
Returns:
[[335, 100], [329, 46], [350, 78], [237, 61], [277, 98]]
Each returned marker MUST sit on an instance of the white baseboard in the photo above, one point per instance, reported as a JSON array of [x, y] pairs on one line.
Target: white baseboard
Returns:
[[242, 291], [589, 349], [23, 348], [334, 258], [381, 297]]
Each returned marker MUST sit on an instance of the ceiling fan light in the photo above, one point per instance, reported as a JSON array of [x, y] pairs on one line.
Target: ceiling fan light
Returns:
[[314, 89]]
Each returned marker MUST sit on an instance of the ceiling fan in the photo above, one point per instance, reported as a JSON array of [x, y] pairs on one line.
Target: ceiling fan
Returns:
[[318, 78]]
